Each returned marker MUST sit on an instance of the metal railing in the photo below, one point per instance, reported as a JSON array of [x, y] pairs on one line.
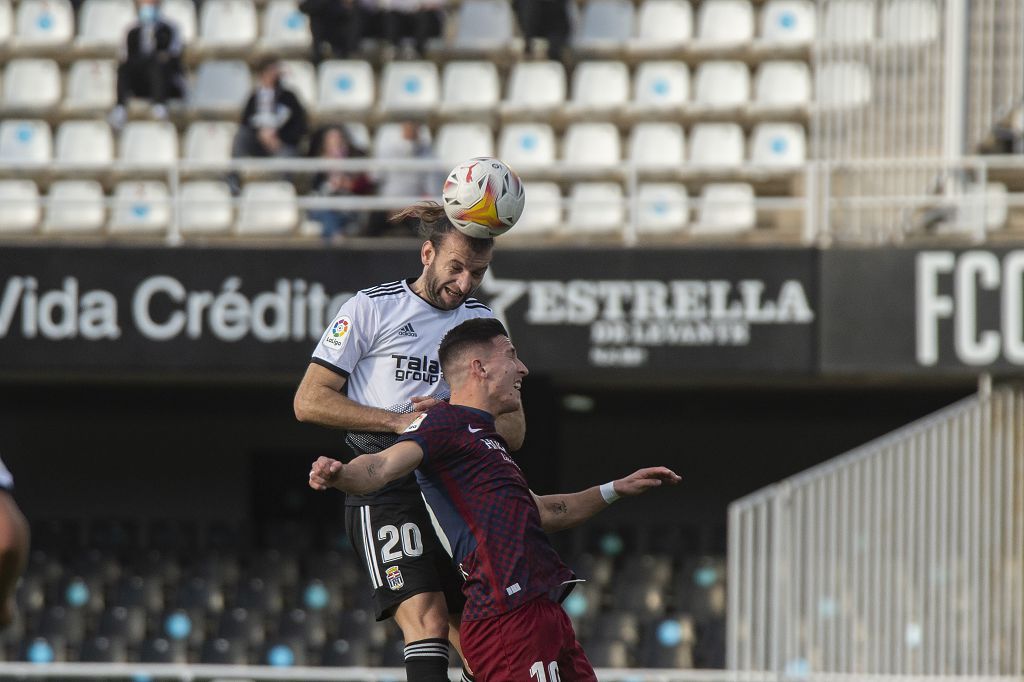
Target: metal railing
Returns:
[[904, 556]]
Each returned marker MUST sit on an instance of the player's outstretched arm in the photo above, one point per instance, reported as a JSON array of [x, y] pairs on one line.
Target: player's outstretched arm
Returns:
[[512, 427], [558, 512], [366, 473], [319, 400]]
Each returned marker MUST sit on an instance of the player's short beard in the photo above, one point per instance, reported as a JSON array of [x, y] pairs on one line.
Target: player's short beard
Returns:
[[432, 288]]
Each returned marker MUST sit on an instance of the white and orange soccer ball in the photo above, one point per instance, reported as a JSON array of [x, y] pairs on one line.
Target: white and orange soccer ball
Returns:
[[483, 197]]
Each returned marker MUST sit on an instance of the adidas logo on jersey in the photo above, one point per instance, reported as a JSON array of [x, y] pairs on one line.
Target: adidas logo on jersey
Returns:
[[407, 330]]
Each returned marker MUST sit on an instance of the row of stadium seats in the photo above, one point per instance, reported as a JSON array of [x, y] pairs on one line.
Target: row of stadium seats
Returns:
[[606, 26], [469, 88]]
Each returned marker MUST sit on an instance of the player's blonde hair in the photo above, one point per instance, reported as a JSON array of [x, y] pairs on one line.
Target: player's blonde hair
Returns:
[[434, 225]]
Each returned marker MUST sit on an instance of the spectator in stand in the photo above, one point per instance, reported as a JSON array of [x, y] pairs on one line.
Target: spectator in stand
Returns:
[[547, 20], [151, 66], [333, 143], [410, 185], [273, 122], [337, 23], [409, 24]]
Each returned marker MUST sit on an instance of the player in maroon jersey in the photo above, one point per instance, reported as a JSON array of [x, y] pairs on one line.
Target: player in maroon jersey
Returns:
[[488, 519]]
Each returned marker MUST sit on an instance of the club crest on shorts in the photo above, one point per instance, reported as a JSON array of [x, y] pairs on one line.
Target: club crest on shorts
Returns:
[[394, 576]]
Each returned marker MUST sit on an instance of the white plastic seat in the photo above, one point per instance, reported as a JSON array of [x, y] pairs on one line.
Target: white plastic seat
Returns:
[[268, 208], [484, 26], [657, 146], [778, 144], [662, 25], [19, 206], [592, 145], [104, 23], [527, 145], [182, 13], [724, 23], [140, 206], [6, 21], [412, 87], [596, 207], [787, 22], [841, 85], [345, 85], [92, 86], [284, 27], [75, 206], [782, 85], [599, 86], [299, 76], [205, 207], [722, 85], [726, 207], [227, 24], [660, 86], [542, 213], [910, 22], [31, 84], [387, 134], [606, 25], [716, 145], [85, 143], [535, 87], [43, 23], [149, 143], [222, 86], [457, 142], [848, 22], [663, 207], [209, 141], [25, 142], [469, 86]]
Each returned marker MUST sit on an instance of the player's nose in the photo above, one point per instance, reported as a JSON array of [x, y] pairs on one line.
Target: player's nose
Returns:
[[522, 367]]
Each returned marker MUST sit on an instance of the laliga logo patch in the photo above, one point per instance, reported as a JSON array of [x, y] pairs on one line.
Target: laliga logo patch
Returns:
[[335, 336], [394, 576], [415, 423]]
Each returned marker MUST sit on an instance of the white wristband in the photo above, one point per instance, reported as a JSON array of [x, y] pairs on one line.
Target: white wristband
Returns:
[[608, 492]]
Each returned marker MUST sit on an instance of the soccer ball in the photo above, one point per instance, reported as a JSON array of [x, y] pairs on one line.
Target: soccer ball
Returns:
[[483, 197]]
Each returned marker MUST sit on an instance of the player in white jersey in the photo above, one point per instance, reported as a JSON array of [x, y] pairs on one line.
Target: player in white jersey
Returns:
[[13, 545], [381, 350]]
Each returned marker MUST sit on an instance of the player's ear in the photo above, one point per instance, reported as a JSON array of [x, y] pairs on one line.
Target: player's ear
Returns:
[[427, 252], [478, 368]]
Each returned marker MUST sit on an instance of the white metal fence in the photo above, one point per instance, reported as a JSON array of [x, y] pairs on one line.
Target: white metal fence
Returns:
[[905, 556]]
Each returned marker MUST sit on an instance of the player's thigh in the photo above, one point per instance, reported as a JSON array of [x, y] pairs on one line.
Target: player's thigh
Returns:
[[524, 645]]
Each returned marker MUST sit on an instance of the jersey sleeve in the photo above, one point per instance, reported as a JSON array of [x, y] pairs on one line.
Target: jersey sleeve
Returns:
[[349, 336], [432, 432]]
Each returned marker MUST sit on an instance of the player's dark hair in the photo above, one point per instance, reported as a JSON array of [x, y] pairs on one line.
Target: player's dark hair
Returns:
[[470, 333], [266, 62], [434, 225]]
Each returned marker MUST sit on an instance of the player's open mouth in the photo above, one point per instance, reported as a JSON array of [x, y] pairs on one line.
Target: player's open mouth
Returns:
[[517, 385], [453, 293]]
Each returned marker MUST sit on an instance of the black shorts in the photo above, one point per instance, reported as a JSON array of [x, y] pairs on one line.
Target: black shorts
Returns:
[[402, 555]]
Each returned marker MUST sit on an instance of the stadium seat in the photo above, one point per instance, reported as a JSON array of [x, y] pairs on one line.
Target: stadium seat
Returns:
[[654, 146], [343, 653], [483, 27], [243, 625], [781, 86], [92, 86], [276, 567], [535, 88], [103, 24], [304, 626], [124, 623], [205, 207], [726, 208], [599, 87], [660, 88], [182, 13], [345, 86], [722, 85], [786, 23], [608, 653], [653, 569], [268, 208], [662, 26], [87, 144], [209, 142], [19, 206], [299, 76], [409, 88], [843, 85], [778, 144], [43, 24], [595, 208], [622, 626], [62, 621], [227, 25], [527, 146], [848, 22], [724, 24], [663, 208], [138, 591], [140, 207], [605, 26], [44, 650], [31, 85], [6, 22], [186, 626], [221, 87], [151, 144], [910, 22], [163, 650], [669, 643], [592, 146], [75, 206], [469, 87], [261, 596], [543, 211], [284, 653], [460, 141], [982, 205], [718, 145], [642, 598], [386, 134], [285, 28], [222, 651], [25, 142]]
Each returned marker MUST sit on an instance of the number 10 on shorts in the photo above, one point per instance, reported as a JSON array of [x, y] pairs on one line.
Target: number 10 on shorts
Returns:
[[537, 670]]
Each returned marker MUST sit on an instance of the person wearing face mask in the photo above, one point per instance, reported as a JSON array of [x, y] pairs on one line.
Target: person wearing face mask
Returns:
[[151, 64], [407, 184]]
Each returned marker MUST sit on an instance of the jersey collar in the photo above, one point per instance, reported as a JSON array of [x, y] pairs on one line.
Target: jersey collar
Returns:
[[406, 283]]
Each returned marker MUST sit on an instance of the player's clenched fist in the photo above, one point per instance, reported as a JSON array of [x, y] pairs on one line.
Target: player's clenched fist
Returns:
[[323, 473], [642, 480]]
